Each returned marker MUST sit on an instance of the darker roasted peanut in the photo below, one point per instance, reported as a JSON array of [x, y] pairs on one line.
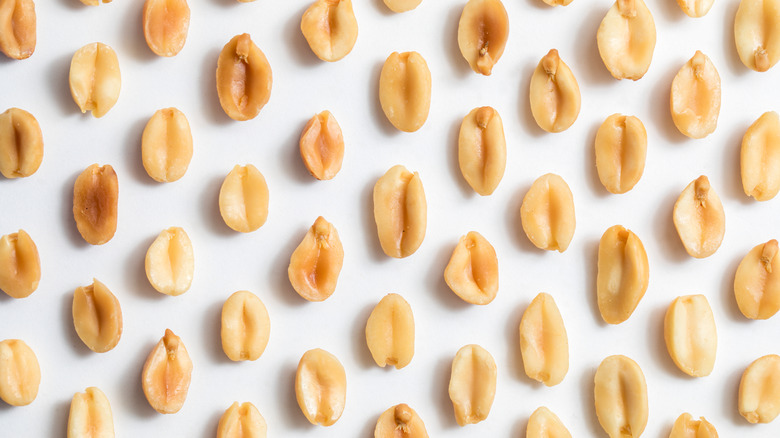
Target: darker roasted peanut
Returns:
[[472, 272], [330, 28], [166, 23], [760, 158], [17, 28], [90, 415], [97, 317], [555, 94], [170, 262], [320, 387], [472, 384], [543, 341], [687, 427], [20, 374], [242, 421], [322, 146], [400, 421], [316, 263], [623, 274], [691, 336], [621, 149], [626, 39], [400, 212], [699, 218], [695, 8], [94, 78], [757, 283], [95, 203], [402, 5], [405, 90], [166, 375], [244, 78], [695, 97], [243, 199], [759, 390], [482, 34], [21, 143], [20, 265], [547, 213], [755, 33], [245, 326], [166, 145], [545, 424], [621, 397], [482, 149], [390, 332]]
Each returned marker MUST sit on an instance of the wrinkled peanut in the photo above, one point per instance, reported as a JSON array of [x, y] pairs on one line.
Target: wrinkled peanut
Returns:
[[166, 375], [482, 149], [90, 415], [545, 424], [166, 145], [620, 394], [400, 421], [170, 262], [244, 78], [472, 384], [405, 90], [21, 143], [322, 146], [166, 23], [390, 332], [557, 3], [400, 212], [554, 94], [755, 33], [96, 203], [621, 149], [316, 263], [759, 390], [472, 272], [623, 274], [695, 8], [695, 97], [245, 326], [760, 158], [543, 341], [95, 80], [20, 265], [687, 427], [402, 5], [483, 30], [757, 283], [547, 213], [690, 334], [626, 39], [243, 199], [321, 387], [20, 374], [242, 421], [699, 218], [17, 28], [97, 317], [330, 28]]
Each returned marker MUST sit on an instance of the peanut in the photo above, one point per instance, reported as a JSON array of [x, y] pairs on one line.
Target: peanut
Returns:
[[96, 203], [695, 8], [759, 390], [20, 265], [390, 332], [322, 146], [166, 375], [245, 326], [90, 415], [320, 387], [757, 282], [97, 317], [316, 263], [623, 274], [402, 5], [547, 213], [760, 158], [691, 336], [626, 39], [330, 28], [621, 149], [483, 30], [400, 421], [94, 2], [545, 424], [166, 23], [244, 78], [557, 2], [17, 28], [699, 218], [758, 43], [166, 145], [695, 97], [472, 384], [400, 212], [482, 149], [554, 94], [20, 374], [95, 79], [242, 421], [621, 397], [687, 427], [21, 143], [170, 262], [405, 90], [543, 341], [243, 199], [472, 272]]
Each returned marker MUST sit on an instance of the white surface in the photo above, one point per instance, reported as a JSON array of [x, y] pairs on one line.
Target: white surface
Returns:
[[227, 261]]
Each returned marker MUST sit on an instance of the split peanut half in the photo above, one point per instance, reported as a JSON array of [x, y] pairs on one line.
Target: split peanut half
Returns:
[[621, 397], [757, 283], [400, 212], [17, 28], [242, 421], [245, 326], [94, 78], [402, 5], [94, 2], [405, 90], [695, 8], [695, 97], [483, 30], [699, 218], [97, 317], [691, 336], [166, 375], [759, 390], [755, 33], [321, 387], [547, 213], [166, 145], [626, 39], [316, 263], [472, 272], [90, 415], [400, 421], [96, 203], [482, 149], [623, 274], [543, 341], [760, 158], [472, 384], [545, 424], [243, 199], [554, 94], [21, 143], [244, 78], [621, 149], [557, 2], [686, 427], [330, 28], [170, 262], [166, 23], [322, 146], [20, 374], [20, 265], [390, 332]]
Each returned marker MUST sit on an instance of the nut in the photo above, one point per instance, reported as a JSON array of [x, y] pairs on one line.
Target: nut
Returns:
[[95, 203], [170, 262], [316, 263], [758, 44], [243, 199], [97, 317], [20, 265], [166, 145], [759, 390], [402, 5], [20, 374], [472, 272], [621, 149], [17, 28], [330, 28], [400, 421], [320, 387], [242, 421], [95, 80], [322, 146], [760, 158], [621, 397], [390, 332], [244, 78], [472, 384], [557, 3], [757, 283], [245, 327], [167, 374], [695, 9], [543, 341], [482, 149], [695, 98], [545, 424], [687, 427], [554, 95], [626, 39], [90, 415], [405, 90], [21, 143], [483, 30], [547, 213], [623, 274], [165, 25], [94, 2], [691, 336], [699, 218], [400, 212]]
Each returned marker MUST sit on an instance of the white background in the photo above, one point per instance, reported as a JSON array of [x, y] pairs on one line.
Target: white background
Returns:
[[227, 261]]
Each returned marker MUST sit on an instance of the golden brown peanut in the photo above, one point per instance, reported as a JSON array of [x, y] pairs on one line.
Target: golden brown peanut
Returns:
[[20, 265], [757, 283], [545, 424], [330, 28], [555, 94], [242, 421], [243, 199], [557, 3], [390, 332], [695, 8], [320, 387], [20, 374], [472, 384], [623, 274], [626, 39], [400, 421], [21, 143], [17, 28], [90, 415], [245, 326], [166, 375], [322, 146], [547, 213], [96, 203], [400, 212], [166, 23], [760, 158], [699, 218], [687, 427], [95, 80], [759, 390], [316, 263], [405, 90], [166, 145], [691, 336], [94, 2], [755, 33], [621, 397], [472, 272], [402, 5], [482, 149], [695, 97], [97, 317], [543, 341], [483, 30], [170, 262], [621, 149], [244, 78]]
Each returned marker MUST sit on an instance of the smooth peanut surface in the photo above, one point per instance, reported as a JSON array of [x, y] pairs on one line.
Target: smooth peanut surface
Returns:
[[699, 218], [547, 213], [400, 212], [623, 274], [554, 94], [321, 387], [90, 415], [242, 421], [545, 424], [20, 374], [695, 8], [97, 317], [621, 397], [695, 97], [330, 28], [316, 263], [244, 78], [20, 265], [18, 32], [400, 421], [626, 39], [167, 374], [96, 203], [621, 149], [170, 262], [755, 33], [482, 34], [472, 272], [95, 80], [246, 326], [402, 5], [165, 24], [472, 384], [482, 149], [243, 199], [21, 143], [690, 334], [543, 341], [686, 427], [759, 390], [405, 90], [166, 145], [390, 332], [757, 282], [322, 146], [760, 158]]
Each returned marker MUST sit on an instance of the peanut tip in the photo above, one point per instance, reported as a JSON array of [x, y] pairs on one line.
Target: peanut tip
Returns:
[[243, 45], [550, 62], [627, 8], [762, 59], [768, 253]]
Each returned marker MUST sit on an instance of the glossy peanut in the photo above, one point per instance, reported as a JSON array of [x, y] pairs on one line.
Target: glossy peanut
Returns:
[[483, 30], [402, 5], [482, 149], [544, 344], [244, 78], [405, 90], [166, 145], [170, 262], [757, 282], [400, 212], [472, 384], [242, 421], [699, 218], [96, 203], [545, 424], [243, 199], [695, 97], [554, 94], [759, 390], [20, 374], [621, 149], [316, 263], [686, 427], [695, 8], [17, 28], [21, 143], [758, 42], [97, 317], [691, 336], [760, 158], [245, 326], [623, 274], [330, 28], [547, 213], [626, 39], [321, 387], [167, 374], [165, 24], [322, 146], [390, 332], [472, 272], [400, 421], [95, 80], [620, 393], [90, 415], [20, 265]]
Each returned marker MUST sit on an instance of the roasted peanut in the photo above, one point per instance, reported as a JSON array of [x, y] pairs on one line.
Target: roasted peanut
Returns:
[[621, 149], [623, 274], [245, 326], [482, 149], [695, 97], [166, 23], [170, 262], [244, 78], [402, 5], [21, 143], [547, 213], [405, 90], [543, 341], [17, 28], [320, 387], [166, 375], [400, 421], [322, 146], [760, 158], [472, 272], [90, 415], [483, 30], [390, 332], [758, 43], [472, 384], [166, 145], [757, 283], [20, 374], [557, 3], [699, 218], [95, 80], [242, 421], [94, 2], [330, 28], [96, 203], [545, 424], [20, 265], [759, 390], [554, 94], [316, 263], [243, 199], [691, 336], [621, 397], [626, 39], [687, 427], [695, 8], [97, 317], [400, 212]]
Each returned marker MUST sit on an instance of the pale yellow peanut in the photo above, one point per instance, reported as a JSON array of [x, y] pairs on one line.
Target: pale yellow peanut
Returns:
[[547, 213], [472, 384], [699, 218], [390, 332], [695, 8], [94, 78], [402, 5], [20, 374], [400, 212], [243, 199], [242, 421], [245, 326], [90, 415], [20, 265], [330, 28], [482, 149], [686, 427], [21, 143], [166, 145], [545, 424], [165, 24], [17, 28], [316, 263], [96, 203], [554, 94], [621, 149], [695, 97], [321, 387], [544, 344], [759, 390], [244, 78], [757, 282], [94, 2], [620, 394], [166, 375], [97, 317], [623, 274], [405, 90], [626, 39], [322, 146], [760, 158], [483, 30], [170, 262], [400, 421], [691, 336], [557, 2], [755, 33], [472, 272]]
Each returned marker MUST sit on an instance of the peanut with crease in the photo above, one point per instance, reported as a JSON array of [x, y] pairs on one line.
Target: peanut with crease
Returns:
[[483, 31], [400, 421], [321, 387], [17, 28], [623, 274], [97, 317], [244, 78], [621, 150], [755, 33], [400, 212], [691, 336], [695, 97], [626, 39], [547, 213], [695, 8], [390, 332], [167, 374], [759, 390], [405, 90], [20, 265], [554, 94], [620, 394], [242, 421], [245, 326], [96, 203], [165, 24], [90, 415], [95, 80], [544, 344], [699, 218], [20, 374], [21, 143], [482, 149], [472, 384], [760, 158], [757, 282], [322, 146], [330, 28], [472, 272], [686, 427], [166, 145], [170, 262], [545, 424], [316, 263], [243, 199]]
